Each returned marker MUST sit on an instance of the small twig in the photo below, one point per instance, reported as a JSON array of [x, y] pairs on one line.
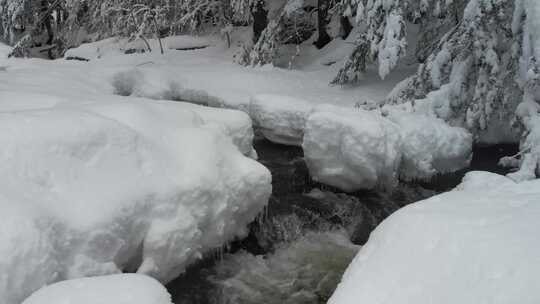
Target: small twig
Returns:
[[144, 63]]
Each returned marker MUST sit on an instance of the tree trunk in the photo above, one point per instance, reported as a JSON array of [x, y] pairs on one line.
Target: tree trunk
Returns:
[[260, 19], [322, 22], [47, 21], [346, 27]]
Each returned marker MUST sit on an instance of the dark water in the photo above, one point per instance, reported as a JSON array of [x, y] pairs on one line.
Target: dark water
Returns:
[[297, 251], [485, 158]]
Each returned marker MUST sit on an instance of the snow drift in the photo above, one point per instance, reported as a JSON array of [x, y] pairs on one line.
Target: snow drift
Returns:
[[351, 149], [96, 189], [117, 289], [430, 146], [354, 149], [282, 119], [475, 244]]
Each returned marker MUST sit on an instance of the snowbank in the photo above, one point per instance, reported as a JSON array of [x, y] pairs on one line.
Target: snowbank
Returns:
[[430, 146], [475, 244], [282, 119], [211, 70], [111, 47], [117, 289], [145, 81], [235, 124], [97, 189], [96, 50], [353, 149]]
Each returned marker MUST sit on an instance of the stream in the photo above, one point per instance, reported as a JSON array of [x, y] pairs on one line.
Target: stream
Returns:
[[297, 251]]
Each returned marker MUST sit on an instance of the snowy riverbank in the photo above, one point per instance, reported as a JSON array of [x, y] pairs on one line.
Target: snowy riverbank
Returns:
[[286, 105], [475, 244], [94, 183]]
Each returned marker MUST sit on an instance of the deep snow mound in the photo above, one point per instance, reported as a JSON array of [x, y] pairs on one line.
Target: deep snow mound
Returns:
[[98, 189], [475, 244], [146, 81], [282, 119], [117, 289], [430, 146], [235, 124], [355, 149], [351, 149]]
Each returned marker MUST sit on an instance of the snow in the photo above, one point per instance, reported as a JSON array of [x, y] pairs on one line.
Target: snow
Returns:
[[530, 48], [209, 77], [29, 86], [101, 188], [187, 42], [354, 149], [282, 119], [212, 71], [531, 38], [430, 146], [112, 47], [105, 47], [4, 50], [117, 289], [475, 244], [351, 149], [103, 173], [392, 46], [95, 183], [528, 112]]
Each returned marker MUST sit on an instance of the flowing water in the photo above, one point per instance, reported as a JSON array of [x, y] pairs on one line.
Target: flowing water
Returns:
[[298, 249]]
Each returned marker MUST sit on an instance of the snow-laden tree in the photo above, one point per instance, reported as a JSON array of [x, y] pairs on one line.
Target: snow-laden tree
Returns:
[[479, 61], [383, 40], [526, 30], [383, 36], [27, 23], [16, 16], [478, 74], [290, 22], [85, 20], [469, 74]]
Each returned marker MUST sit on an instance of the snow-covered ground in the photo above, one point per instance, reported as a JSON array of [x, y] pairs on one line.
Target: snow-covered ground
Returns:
[[280, 102], [4, 51], [212, 70], [282, 119], [102, 172], [100, 188], [117, 289], [475, 244], [95, 183]]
